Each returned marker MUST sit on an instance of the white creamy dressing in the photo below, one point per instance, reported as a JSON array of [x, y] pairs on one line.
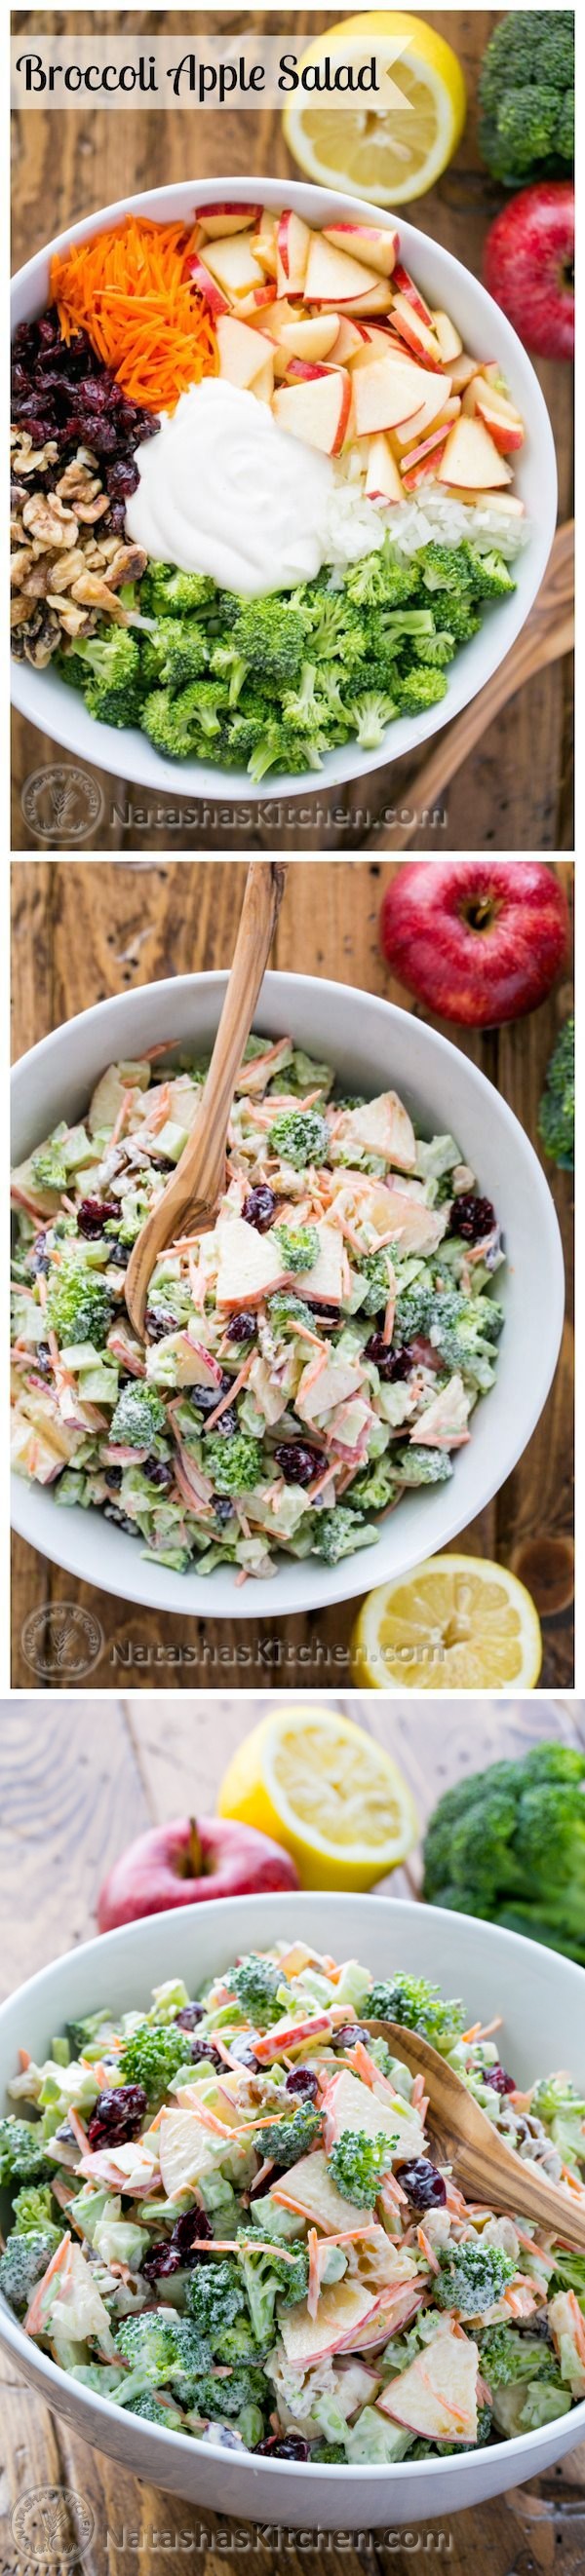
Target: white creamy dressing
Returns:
[[224, 491]]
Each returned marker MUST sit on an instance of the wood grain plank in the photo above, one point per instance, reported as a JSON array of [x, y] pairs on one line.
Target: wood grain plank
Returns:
[[71, 1793], [102, 927], [516, 794]]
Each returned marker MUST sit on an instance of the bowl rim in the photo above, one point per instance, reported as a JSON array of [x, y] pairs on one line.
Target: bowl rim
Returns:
[[12, 2331], [230, 787], [347, 1580]]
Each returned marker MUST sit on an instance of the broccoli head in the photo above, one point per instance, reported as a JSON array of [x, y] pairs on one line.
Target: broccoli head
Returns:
[[472, 2276], [287, 1311], [526, 94], [32, 2210], [23, 2154], [48, 1170], [301, 1136], [235, 1461], [268, 636], [374, 1490], [506, 2356], [374, 1266], [418, 2006], [417, 1465], [221, 2398], [215, 2296], [256, 1984], [159, 2347], [339, 1532], [151, 2057], [384, 579], [556, 1117], [165, 592], [419, 688], [490, 575], [79, 1307], [175, 724], [358, 2163], [139, 1415], [24, 2262], [370, 716], [174, 654], [269, 2276], [113, 686], [510, 1841], [445, 568], [299, 1246], [287, 2139]]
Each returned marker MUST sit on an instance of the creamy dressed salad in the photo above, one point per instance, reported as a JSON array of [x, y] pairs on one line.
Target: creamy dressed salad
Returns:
[[226, 2217], [308, 1362]]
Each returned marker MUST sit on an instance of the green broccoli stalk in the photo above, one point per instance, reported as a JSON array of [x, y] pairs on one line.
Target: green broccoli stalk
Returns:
[[556, 1117], [258, 1986], [369, 717], [151, 2057], [508, 1844], [269, 2276], [24, 2262], [418, 2006], [299, 1247], [472, 2276], [300, 1136], [235, 1461], [357, 2165], [526, 95], [23, 2154], [79, 1307], [138, 1417]]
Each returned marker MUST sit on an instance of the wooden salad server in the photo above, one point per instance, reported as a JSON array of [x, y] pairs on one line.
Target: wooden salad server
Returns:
[[484, 2167], [189, 1202]]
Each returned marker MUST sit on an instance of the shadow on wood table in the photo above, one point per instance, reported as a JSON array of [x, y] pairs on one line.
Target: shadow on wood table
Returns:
[[93, 928], [515, 794]]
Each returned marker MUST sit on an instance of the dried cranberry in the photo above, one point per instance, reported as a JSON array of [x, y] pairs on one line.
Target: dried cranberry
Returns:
[[119, 1253], [117, 2115], [242, 1327], [43, 1359], [188, 2017], [390, 1364], [499, 2080], [228, 1420], [302, 2080], [121, 1519], [113, 1478], [241, 2049], [422, 2183], [92, 1213], [158, 1324], [201, 2048], [222, 1507], [177, 2252], [207, 1398], [471, 1217], [352, 2030], [259, 1207], [324, 1314], [159, 1473], [285, 2446], [38, 1258], [297, 1462]]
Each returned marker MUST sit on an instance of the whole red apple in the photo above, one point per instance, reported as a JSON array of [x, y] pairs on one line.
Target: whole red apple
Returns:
[[479, 940], [187, 1863], [529, 266]]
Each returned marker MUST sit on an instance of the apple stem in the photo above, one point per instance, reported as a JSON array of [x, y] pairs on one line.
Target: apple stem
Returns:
[[194, 1867], [481, 914]]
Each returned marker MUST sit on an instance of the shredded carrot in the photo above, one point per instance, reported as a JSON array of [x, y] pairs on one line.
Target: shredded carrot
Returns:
[[131, 290]]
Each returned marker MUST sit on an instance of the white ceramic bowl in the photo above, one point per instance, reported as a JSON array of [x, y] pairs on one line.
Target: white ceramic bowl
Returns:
[[59, 712], [542, 1997], [372, 1044]]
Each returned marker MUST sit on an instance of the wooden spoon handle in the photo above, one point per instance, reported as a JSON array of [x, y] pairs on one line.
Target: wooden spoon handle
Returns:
[[512, 2185]]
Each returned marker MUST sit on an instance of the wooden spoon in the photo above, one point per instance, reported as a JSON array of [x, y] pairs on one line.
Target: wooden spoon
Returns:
[[189, 1202], [485, 2168]]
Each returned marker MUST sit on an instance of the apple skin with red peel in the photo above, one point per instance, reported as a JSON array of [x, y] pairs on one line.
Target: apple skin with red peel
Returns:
[[479, 941], [528, 266], [190, 1863]]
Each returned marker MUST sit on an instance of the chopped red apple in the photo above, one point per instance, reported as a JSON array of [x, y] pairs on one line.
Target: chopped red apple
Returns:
[[349, 2104], [388, 392], [470, 458], [461, 371], [279, 313], [382, 477], [263, 386], [242, 352], [218, 221], [449, 339], [325, 1278], [383, 1126], [289, 2034], [312, 336], [332, 276], [250, 1264], [263, 244], [499, 416], [351, 337], [376, 343], [437, 2396], [428, 414], [293, 243], [317, 410], [309, 2187], [368, 242], [256, 304], [208, 286], [231, 261], [376, 298], [406, 286], [342, 2309], [422, 460], [411, 327]]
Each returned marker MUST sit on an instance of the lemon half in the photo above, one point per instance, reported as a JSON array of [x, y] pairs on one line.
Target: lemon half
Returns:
[[325, 1790], [386, 152], [455, 1623]]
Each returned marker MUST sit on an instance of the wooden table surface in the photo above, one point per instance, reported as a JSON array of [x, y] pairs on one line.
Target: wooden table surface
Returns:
[[87, 929], [74, 1789], [515, 793]]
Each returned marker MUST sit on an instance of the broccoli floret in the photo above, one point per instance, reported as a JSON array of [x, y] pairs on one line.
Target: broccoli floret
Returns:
[[247, 728], [437, 649], [220, 2399], [299, 1247], [418, 2006], [301, 1136], [47, 1167], [417, 1465], [315, 699], [286, 1310], [174, 724], [445, 568], [374, 1490], [267, 2277], [158, 2348], [24, 2262], [339, 1532], [79, 1307], [236, 1461], [288, 2139], [506, 2356], [336, 631], [96, 2026], [569, 2273], [284, 748], [509, 1842], [215, 2296], [526, 94], [23, 2154], [384, 579], [139, 1415], [556, 1117], [374, 1266], [472, 2276], [165, 592], [112, 683], [152, 2056], [174, 654], [421, 687], [369, 717], [268, 636], [32, 2210], [152, 2409], [257, 1985], [358, 2163], [458, 1331], [490, 575]]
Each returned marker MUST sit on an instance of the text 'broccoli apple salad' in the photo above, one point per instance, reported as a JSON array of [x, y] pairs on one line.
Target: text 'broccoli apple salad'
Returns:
[[226, 2218], [308, 1362], [261, 493]]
